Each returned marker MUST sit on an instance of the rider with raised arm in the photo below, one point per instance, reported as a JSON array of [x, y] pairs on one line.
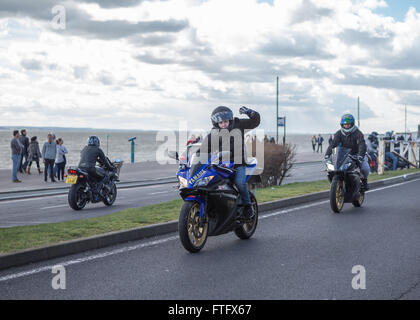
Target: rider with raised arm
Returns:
[[349, 136], [225, 125]]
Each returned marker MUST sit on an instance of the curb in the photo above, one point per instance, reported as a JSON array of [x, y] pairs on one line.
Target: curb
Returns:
[[100, 241]]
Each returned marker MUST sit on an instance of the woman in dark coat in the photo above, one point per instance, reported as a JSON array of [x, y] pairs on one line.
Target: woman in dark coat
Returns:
[[34, 154]]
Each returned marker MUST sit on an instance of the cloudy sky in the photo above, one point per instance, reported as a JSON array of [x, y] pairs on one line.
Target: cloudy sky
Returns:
[[148, 64]]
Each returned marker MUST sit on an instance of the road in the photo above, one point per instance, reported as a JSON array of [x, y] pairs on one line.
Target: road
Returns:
[[55, 208], [304, 252]]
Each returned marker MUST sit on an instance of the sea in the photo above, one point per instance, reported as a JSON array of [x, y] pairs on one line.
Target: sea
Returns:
[[116, 144]]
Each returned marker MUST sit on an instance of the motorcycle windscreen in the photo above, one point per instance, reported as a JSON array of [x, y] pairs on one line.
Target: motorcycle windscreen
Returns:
[[196, 163], [342, 155]]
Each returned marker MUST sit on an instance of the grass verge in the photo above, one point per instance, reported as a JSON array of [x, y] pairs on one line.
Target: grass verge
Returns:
[[25, 237]]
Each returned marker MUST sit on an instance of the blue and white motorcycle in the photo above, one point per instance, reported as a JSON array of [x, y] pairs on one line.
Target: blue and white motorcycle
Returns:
[[212, 203]]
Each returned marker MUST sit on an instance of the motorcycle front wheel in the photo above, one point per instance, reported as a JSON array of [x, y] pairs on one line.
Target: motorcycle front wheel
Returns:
[[192, 232], [111, 196], [77, 197], [337, 194]]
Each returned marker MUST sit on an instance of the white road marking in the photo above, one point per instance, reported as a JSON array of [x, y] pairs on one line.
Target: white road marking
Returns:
[[65, 195], [157, 242], [52, 207], [160, 192]]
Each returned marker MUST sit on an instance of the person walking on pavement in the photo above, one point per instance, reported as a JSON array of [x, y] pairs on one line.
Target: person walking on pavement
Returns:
[[60, 159], [24, 140], [49, 153], [314, 142], [320, 142], [34, 155], [17, 149]]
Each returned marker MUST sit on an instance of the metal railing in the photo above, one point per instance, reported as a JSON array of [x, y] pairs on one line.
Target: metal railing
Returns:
[[408, 151]]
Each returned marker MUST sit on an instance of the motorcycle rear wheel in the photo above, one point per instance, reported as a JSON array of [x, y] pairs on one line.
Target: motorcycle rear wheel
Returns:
[[77, 198], [246, 230], [193, 235], [359, 202], [337, 194]]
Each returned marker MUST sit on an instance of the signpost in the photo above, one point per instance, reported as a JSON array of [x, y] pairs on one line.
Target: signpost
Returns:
[[132, 148], [281, 122]]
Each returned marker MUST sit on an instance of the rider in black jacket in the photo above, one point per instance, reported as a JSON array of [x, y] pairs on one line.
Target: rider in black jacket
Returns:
[[349, 136], [234, 128], [92, 154]]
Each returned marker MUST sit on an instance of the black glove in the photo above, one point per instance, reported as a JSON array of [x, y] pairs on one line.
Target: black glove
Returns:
[[247, 111], [360, 159]]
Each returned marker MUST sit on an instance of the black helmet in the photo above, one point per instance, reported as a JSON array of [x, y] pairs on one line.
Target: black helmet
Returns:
[[221, 114], [94, 141]]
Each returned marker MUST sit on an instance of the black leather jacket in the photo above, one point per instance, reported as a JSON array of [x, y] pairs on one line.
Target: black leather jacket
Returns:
[[354, 141], [90, 155], [240, 125]]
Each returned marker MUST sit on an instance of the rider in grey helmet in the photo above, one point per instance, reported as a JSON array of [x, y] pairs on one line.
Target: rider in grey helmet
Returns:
[[222, 118], [349, 136]]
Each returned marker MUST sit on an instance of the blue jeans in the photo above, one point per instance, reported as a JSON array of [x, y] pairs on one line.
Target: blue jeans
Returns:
[[240, 182], [365, 169], [16, 162], [393, 158]]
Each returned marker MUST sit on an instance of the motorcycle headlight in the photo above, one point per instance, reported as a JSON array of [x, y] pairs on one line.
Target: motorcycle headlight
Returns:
[[183, 182], [345, 167], [203, 182], [330, 166]]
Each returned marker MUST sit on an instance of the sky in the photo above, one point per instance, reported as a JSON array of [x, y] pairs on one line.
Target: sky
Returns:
[[150, 65]]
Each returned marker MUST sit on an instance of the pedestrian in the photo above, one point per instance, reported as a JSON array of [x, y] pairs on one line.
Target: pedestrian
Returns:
[[330, 139], [61, 159], [320, 142], [49, 153], [314, 142], [24, 140], [34, 155], [17, 149]]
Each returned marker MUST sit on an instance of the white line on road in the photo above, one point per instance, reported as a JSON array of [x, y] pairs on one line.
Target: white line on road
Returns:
[[157, 242], [52, 207], [160, 192]]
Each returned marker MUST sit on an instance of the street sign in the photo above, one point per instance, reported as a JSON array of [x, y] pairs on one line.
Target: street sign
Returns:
[[281, 121]]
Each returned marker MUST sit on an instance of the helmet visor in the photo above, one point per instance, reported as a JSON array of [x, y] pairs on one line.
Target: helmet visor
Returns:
[[222, 116]]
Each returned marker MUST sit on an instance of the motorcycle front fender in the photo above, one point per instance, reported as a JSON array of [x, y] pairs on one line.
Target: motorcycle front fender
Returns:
[[200, 201]]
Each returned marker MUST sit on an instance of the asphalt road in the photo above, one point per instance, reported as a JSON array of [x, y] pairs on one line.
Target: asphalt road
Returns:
[[304, 252], [55, 208]]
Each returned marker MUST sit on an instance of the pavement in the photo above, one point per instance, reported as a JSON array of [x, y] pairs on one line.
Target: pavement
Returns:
[[303, 252], [55, 208]]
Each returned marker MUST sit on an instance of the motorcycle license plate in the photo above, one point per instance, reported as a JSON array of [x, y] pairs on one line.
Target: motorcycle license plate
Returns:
[[71, 179]]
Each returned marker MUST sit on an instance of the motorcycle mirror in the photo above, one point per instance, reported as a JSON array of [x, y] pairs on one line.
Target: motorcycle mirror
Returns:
[[173, 155]]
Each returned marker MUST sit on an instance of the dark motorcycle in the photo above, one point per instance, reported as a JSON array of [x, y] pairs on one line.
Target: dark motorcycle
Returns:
[[346, 181], [86, 188], [212, 203]]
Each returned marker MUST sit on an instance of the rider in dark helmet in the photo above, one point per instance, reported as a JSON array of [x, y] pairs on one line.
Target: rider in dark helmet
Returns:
[[349, 136], [92, 154], [224, 123]]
